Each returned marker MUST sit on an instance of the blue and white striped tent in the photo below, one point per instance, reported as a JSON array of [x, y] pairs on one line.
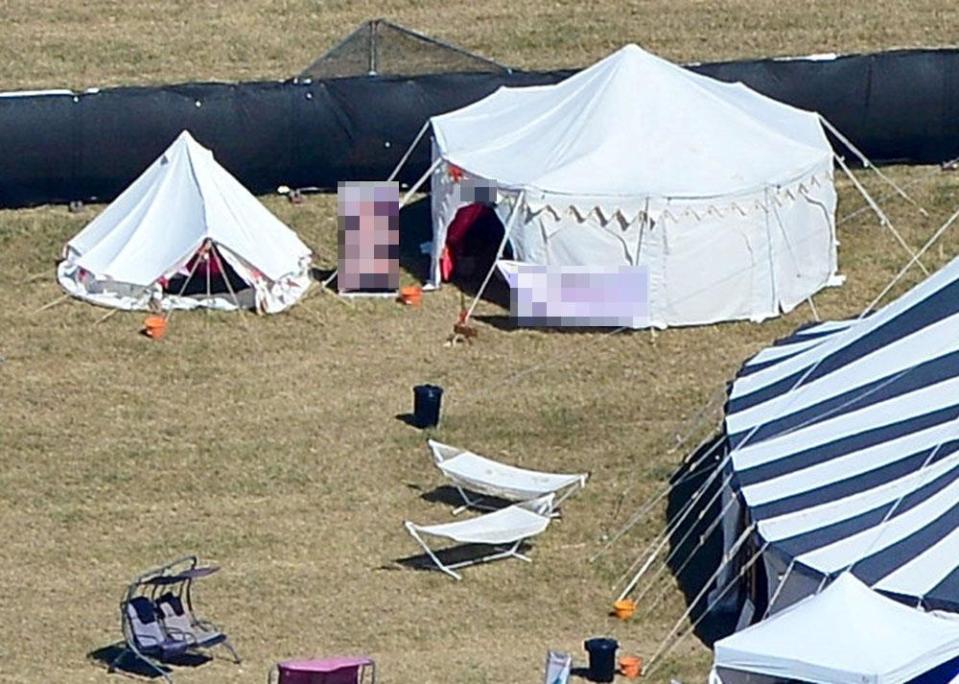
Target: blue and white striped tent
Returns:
[[844, 451]]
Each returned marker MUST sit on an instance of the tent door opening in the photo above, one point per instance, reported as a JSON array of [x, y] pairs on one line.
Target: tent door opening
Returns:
[[472, 239], [212, 274]]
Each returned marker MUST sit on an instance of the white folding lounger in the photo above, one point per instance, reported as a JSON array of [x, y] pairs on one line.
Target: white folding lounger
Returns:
[[504, 529], [475, 473]]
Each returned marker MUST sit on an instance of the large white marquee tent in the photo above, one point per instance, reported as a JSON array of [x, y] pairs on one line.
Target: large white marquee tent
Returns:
[[183, 214], [722, 197]]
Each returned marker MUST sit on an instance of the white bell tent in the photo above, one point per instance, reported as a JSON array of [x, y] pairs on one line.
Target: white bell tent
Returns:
[[186, 234], [847, 634]]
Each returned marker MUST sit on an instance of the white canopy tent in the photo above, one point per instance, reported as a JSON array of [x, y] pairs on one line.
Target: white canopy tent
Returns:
[[847, 634], [724, 195], [183, 210]]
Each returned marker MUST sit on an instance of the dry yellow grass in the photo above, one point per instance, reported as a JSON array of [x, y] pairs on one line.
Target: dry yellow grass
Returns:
[[270, 445]]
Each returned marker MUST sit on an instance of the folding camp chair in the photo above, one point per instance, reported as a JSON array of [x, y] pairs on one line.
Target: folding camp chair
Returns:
[[558, 667], [145, 637], [475, 473], [181, 625], [160, 629], [504, 530]]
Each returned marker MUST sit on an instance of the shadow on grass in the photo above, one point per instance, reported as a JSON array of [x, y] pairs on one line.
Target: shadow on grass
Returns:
[[319, 275], [450, 496], [694, 560], [409, 419], [455, 554], [507, 323], [132, 666], [416, 227]]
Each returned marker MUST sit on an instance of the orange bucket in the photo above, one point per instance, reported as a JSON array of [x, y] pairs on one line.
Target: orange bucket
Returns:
[[631, 666], [624, 608], [411, 294], [155, 327]]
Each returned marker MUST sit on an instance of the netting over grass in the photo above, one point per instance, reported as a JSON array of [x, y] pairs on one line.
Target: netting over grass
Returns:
[[379, 47]]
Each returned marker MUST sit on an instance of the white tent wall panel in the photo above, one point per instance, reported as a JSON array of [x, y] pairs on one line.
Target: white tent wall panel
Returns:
[[743, 258], [262, 295], [714, 268], [725, 675]]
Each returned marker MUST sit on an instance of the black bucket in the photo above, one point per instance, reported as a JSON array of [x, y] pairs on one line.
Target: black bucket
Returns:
[[426, 405], [602, 659]]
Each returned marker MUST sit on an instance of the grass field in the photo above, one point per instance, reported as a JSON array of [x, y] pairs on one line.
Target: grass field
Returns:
[[271, 445]]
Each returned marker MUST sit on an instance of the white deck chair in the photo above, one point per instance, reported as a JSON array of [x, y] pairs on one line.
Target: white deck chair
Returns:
[[558, 667], [504, 529], [469, 471]]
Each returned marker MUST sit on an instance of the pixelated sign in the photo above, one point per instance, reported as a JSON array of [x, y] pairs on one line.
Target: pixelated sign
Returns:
[[577, 295], [369, 237]]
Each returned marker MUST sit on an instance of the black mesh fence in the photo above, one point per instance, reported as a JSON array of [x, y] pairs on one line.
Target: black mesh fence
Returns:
[[897, 107]]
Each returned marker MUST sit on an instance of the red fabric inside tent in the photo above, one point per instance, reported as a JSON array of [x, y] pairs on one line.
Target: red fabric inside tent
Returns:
[[456, 233], [210, 265]]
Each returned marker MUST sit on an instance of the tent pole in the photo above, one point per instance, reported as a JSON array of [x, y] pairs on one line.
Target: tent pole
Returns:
[[206, 257], [229, 287], [105, 316], [779, 588], [169, 313], [887, 195], [880, 528], [647, 507], [514, 213], [664, 538], [883, 219], [418, 184], [660, 652], [925, 247], [326, 282], [52, 304], [409, 150], [713, 526], [815, 313], [700, 418], [869, 165], [648, 610], [767, 207]]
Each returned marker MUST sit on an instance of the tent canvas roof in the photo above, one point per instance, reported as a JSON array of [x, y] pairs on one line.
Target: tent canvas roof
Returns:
[[845, 446], [846, 634], [182, 199], [633, 124]]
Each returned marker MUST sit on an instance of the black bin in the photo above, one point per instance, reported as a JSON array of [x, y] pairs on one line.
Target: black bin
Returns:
[[602, 659], [426, 405]]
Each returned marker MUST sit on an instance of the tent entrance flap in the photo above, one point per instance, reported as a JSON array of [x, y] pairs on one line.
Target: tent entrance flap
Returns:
[[471, 242], [212, 275]]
